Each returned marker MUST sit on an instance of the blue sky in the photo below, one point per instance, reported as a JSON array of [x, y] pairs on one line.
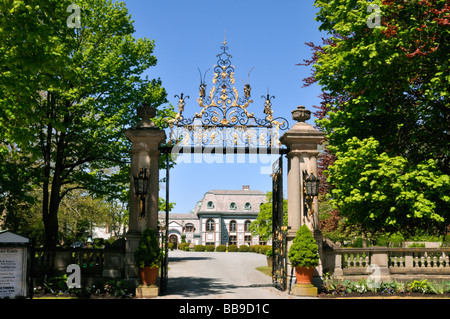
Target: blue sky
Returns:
[[268, 35]]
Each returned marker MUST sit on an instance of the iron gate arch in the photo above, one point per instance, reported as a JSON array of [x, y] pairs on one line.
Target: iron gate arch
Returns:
[[225, 124]]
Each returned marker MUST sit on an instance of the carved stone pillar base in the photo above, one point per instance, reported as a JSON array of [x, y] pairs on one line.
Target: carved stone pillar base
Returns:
[[304, 290], [144, 291]]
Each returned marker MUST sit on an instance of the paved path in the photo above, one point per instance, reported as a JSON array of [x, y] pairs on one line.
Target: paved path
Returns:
[[216, 275]]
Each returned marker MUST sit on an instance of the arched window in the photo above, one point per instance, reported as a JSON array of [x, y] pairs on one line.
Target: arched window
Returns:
[[233, 226], [233, 206], [247, 225], [247, 206], [210, 224], [210, 205]]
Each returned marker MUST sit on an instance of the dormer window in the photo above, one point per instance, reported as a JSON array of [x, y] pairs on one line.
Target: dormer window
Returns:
[[247, 206], [210, 205], [233, 206]]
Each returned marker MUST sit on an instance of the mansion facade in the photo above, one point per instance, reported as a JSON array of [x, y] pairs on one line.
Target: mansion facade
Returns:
[[221, 217]]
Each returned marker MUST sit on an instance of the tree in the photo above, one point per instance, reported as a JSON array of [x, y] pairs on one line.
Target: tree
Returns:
[[384, 194], [69, 93], [262, 226], [389, 83]]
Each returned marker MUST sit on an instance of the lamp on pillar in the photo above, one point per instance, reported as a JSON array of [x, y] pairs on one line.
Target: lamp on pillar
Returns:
[[310, 190], [141, 189]]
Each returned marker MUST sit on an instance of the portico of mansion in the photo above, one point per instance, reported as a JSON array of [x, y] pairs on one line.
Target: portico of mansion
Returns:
[[221, 217]]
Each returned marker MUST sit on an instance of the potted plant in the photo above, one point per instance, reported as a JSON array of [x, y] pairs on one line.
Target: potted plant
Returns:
[[148, 256], [303, 255]]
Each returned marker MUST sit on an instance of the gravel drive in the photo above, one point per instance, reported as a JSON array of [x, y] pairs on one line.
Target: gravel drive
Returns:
[[217, 275]]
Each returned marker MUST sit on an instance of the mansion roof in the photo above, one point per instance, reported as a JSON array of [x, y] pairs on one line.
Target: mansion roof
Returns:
[[231, 202], [225, 202]]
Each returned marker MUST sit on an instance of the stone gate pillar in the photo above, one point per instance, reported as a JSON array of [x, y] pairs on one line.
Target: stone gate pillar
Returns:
[[302, 140], [145, 140]]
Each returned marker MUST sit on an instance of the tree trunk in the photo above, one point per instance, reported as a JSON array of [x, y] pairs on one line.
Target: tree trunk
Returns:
[[52, 199]]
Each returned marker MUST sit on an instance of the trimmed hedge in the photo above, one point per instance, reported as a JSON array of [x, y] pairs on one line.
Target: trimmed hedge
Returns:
[[221, 248], [199, 248], [243, 248], [259, 249], [183, 246]]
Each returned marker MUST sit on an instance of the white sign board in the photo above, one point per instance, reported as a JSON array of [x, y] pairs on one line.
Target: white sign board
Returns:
[[13, 265], [12, 272]]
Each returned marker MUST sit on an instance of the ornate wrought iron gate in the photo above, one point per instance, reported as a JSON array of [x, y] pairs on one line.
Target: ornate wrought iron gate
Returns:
[[225, 125], [279, 266]]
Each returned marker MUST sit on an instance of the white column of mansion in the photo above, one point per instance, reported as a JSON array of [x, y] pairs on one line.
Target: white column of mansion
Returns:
[[302, 140]]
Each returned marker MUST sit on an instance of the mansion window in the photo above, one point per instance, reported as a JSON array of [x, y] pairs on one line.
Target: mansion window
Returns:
[[248, 240], [189, 228], [233, 240], [247, 225], [233, 226], [210, 205], [247, 206], [233, 206], [210, 224]]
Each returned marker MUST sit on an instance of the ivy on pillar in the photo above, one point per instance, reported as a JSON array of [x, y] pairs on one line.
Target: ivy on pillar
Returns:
[[145, 139]]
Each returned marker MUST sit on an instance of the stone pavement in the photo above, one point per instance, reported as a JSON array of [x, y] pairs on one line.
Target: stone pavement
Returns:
[[219, 275]]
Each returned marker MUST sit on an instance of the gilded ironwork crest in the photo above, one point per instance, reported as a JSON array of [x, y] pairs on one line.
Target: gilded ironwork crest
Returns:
[[224, 119]]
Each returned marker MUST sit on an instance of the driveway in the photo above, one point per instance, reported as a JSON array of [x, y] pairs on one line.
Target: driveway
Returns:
[[217, 275]]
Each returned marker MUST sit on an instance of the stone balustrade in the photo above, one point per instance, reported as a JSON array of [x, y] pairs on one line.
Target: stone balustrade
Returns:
[[106, 263], [388, 263]]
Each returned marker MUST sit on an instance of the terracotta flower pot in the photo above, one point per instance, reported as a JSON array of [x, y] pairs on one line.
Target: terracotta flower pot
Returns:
[[148, 275], [304, 275]]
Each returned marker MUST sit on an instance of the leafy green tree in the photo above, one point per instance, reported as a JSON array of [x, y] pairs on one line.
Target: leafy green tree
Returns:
[[262, 226], [387, 85], [69, 93], [388, 82], [384, 194]]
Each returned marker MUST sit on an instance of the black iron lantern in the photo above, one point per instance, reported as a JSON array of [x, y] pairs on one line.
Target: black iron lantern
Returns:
[[141, 188], [310, 190], [312, 186], [141, 183]]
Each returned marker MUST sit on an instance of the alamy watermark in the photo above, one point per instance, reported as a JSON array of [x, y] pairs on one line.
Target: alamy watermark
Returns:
[[74, 279], [227, 155], [74, 20], [374, 19]]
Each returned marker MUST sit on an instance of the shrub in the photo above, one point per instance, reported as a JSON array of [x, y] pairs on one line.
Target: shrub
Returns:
[[422, 286], [210, 248], [221, 248], [148, 253], [182, 246], [304, 249], [199, 248], [232, 248], [243, 248], [264, 248]]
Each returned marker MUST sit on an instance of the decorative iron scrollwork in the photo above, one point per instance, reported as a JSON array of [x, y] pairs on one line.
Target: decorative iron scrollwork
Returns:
[[223, 109]]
